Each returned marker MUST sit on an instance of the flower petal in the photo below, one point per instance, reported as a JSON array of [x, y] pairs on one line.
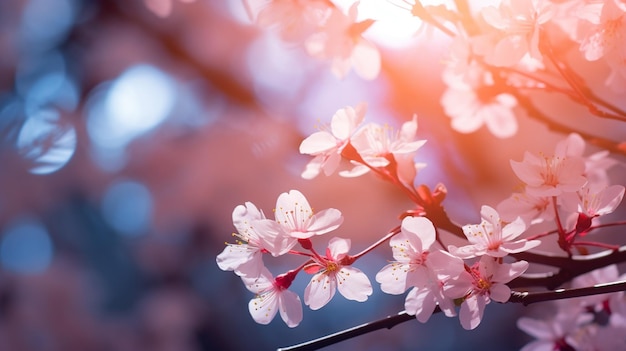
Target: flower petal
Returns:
[[353, 284], [319, 291]]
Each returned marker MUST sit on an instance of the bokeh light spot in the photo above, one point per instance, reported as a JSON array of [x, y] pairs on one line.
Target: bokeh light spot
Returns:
[[127, 207], [47, 141], [140, 99], [26, 247], [41, 29]]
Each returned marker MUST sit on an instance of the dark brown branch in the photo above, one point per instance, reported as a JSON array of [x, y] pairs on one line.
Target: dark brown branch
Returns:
[[385, 323], [569, 268], [389, 322]]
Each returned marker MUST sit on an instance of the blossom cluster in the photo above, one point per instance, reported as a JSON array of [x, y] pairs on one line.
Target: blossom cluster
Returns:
[[589, 323], [498, 55], [466, 278]]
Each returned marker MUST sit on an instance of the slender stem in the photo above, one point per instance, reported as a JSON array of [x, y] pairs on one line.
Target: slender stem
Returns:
[[389, 235], [572, 81], [535, 113]]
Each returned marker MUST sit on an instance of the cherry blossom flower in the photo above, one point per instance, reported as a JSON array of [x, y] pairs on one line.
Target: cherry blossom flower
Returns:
[[340, 41], [332, 274], [296, 19], [606, 38], [556, 333], [517, 24], [596, 164], [472, 103], [478, 285], [550, 176], [245, 256], [419, 263], [296, 219], [327, 146], [272, 295], [491, 238], [531, 209], [376, 143], [593, 201]]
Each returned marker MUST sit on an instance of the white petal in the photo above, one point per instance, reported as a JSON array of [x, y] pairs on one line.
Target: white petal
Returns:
[[263, 308], [421, 303], [319, 291], [317, 143], [513, 229], [420, 228], [472, 311], [500, 293], [392, 279], [353, 284], [325, 221], [338, 247], [290, 308]]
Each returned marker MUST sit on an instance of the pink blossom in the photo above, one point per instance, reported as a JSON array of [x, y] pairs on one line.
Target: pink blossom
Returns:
[[245, 256], [556, 333], [606, 37], [421, 264], [474, 102], [295, 19], [376, 144], [491, 238], [272, 296], [340, 41], [593, 202], [532, 209], [481, 283], [596, 164], [550, 176], [295, 218], [517, 24], [333, 274], [327, 145]]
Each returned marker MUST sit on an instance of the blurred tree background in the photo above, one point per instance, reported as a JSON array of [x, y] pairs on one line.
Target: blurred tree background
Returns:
[[128, 137]]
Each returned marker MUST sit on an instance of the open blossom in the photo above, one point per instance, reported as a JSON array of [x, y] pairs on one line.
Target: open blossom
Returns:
[[557, 333], [376, 144], [422, 265], [531, 209], [474, 102], [245, 256], [327, 146], [605, 39], [340, 40], [295, 218], [593, 202], [332, 274], [596, 164], [550, 176], [478, 285], [491, 238], [516, 24], [272, 295], [295, 19]]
